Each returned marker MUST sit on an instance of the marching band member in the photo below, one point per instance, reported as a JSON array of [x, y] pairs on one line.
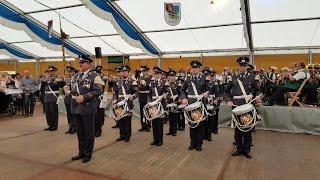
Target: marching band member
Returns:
[[53, 83], [112, 84], [85, 89], [157, 89], [181, 121], [239, 91], [99, 118], [143, 85], [68, 98], [173, 90], [195, 82], [213, 102], [126, 88]]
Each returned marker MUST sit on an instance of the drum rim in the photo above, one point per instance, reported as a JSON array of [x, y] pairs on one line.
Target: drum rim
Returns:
[[193, 106]]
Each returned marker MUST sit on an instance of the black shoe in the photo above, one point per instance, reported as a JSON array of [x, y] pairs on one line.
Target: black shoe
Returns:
[[73, 131], [153, 143], [68, 132], [47, 129], [199, 148], [77, 157], [159, 144], [25, 115], [215, 132], [115, 126], [148, 129], [53, 129], [30, 115], [120, 139], [236, 153], [182, 129], [191, 147], [174, 134], [169, 133], [234, 143], [126, 140], [247, 155], [142, 129], [209, 139], [86, 159]]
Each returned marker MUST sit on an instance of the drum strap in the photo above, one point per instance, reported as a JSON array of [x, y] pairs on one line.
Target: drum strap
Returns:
[[156, 92], [194, 89], [123, 91], [246, 97]]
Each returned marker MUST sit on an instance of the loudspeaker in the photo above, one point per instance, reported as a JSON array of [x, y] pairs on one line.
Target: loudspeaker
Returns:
[[98, 52]]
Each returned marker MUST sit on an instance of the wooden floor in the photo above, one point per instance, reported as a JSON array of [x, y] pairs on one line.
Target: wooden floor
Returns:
[[27, 152]]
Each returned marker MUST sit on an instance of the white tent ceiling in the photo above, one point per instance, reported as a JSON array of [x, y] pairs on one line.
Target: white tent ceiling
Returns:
[[83, 26]]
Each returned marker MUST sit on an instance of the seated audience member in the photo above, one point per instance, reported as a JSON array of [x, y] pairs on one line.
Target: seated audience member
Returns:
[[294, 82], [310, 90]]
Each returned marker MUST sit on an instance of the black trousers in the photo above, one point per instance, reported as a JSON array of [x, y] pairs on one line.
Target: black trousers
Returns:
[[51, 110], [99, 118], [85, 133], [29, 102], [125, 127], [144, 122], [215, 121], [157, 129], [243, 140], [208, 125], [181, 121], [197, 134], [173, 122], [71, 123]]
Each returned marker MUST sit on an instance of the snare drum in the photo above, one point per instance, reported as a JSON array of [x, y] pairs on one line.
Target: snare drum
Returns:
[[244, 117]]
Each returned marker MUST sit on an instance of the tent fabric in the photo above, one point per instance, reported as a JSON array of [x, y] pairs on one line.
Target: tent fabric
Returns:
[[13, 19], [106, 11], [14, 53], [204, 27]]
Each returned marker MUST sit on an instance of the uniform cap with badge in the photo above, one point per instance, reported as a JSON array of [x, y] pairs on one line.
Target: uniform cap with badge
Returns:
[[84, 59], [172, 72], [157, 70], [243, 61], [52, 68], [70, 69], [195, 64], [125, 68], [144, 68]]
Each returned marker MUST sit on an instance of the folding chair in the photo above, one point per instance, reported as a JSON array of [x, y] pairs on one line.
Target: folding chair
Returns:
[[294, 96]]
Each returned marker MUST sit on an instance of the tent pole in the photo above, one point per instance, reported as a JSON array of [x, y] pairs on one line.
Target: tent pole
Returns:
[[159, 63], [15, 66], [310, 56]]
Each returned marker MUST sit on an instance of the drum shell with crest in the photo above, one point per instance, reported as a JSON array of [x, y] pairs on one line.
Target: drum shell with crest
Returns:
[[244, 116]]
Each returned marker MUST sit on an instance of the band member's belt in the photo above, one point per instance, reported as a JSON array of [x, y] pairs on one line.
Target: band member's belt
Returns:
[[51, 92], [243, 97], [144, 92], [193, 96]]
